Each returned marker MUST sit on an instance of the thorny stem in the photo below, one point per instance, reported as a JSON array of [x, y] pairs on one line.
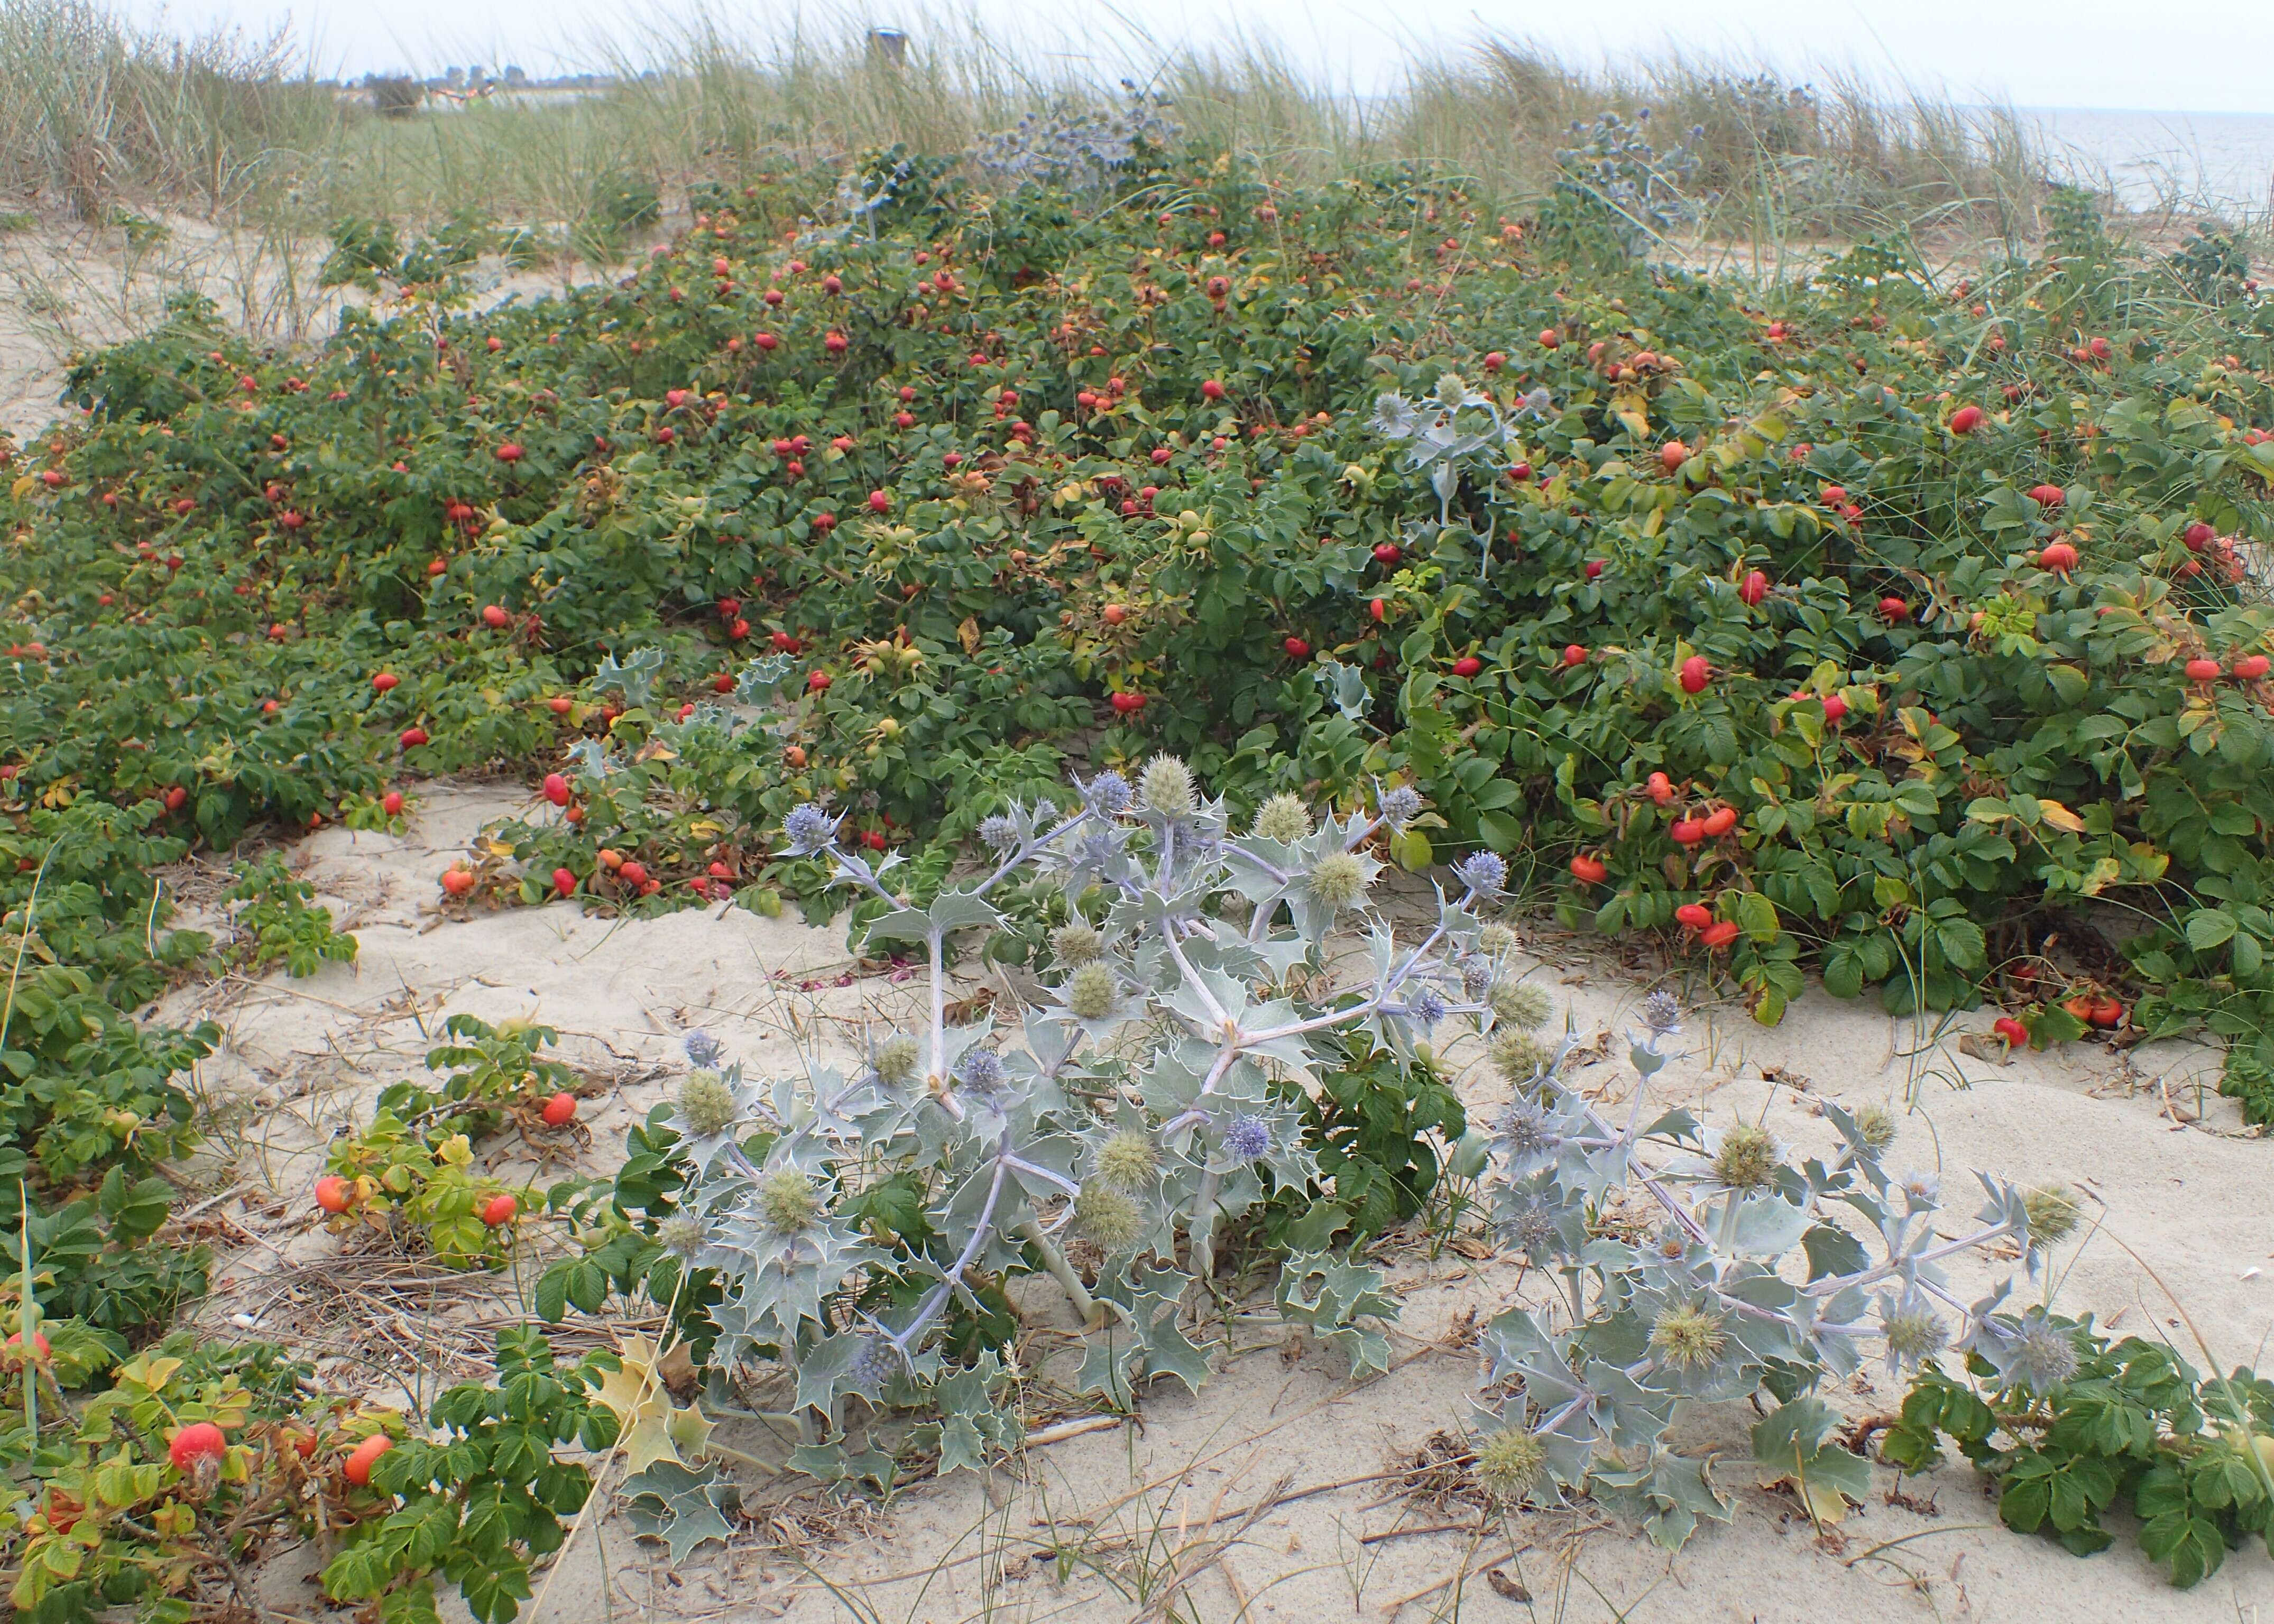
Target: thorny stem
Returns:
[[936, 1061], [1059, 1179], [1201, 1227], [1019, 858], [1216, 1073], [1413, 960], [1069, 1280], [1223, 1022], [1572, 1407], [937, 1297], [1894, 1266], [1728, 1238]]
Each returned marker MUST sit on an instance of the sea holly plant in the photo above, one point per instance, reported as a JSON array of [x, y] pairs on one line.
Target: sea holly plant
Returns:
[[635, 678], [1702, 1264], [1446, 433], [859, 1219]]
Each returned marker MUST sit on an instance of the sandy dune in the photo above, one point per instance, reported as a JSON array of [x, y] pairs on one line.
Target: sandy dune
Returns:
[[1199, 1511]]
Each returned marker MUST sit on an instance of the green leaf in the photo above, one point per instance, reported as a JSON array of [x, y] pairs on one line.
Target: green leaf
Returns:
[[493, 1595], [2190, 1545], [1797, 1444], [680, 1506], [2208, 928], [1832, 1250], [552, 1293]]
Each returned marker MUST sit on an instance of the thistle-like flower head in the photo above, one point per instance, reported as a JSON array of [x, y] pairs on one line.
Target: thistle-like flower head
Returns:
[[1747, 1158], [2053, 1212], [1509, 1464], [787, 1202], [1518, 1055], [681, 1234], [1484, 873], [810, 829], [705, 1103], [1109, 1215], [876, 1364], [1687, 1337], [1400, 805], [1531, 1230], [1520, 1005], [1076, 943], [981, 1071], [896, 1059], [1128, 1160], [999, 833], [1339, 879], [1661, 1012], [1107, 794], [702, 1049], [1913, 1332], [1876, 1126], [1247, 1138], [1524, 1129], [1283, 818], [2041, 1354], [1426, 1006], [1093, 991], [1166, 787]]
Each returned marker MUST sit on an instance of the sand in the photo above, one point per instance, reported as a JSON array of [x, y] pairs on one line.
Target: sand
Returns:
[[1180, 1514], [66, 287]]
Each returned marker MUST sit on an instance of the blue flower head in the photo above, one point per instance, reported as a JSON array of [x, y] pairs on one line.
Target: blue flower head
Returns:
[[876, 1364], [999, 832], [1484, 873], [981, 1070], [810, 829], [1248, 1137], [1426, 1006], [1107, 794], [703, 1051], [1400, 806]]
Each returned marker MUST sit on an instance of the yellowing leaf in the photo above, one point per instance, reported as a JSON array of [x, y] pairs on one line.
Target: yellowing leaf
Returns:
[[151, 1373], [2059, 817], [653, 1428], [630, 1387]]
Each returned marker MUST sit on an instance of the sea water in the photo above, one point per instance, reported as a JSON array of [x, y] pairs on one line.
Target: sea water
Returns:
[[2219, 162]]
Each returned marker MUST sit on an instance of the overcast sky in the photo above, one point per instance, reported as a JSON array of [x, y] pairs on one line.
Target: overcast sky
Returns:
[[2194, 55]]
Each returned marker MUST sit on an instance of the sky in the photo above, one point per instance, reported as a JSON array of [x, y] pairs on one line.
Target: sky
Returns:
[[2166, 55]]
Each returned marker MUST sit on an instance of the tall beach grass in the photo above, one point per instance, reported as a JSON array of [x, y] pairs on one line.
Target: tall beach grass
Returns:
[[96, 115]]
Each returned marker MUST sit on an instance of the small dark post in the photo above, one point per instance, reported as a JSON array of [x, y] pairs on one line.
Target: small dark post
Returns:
[[888, 48]]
